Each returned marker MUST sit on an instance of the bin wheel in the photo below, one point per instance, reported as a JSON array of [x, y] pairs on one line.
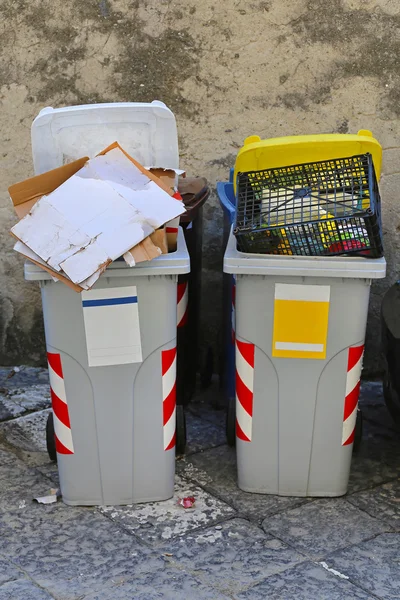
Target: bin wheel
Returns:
[[358, 431], [180, 429], [231, 422], [208, 369], [51, 438]]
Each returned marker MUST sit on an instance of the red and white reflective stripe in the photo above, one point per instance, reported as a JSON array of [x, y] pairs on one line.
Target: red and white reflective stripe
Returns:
[[182, 306], [354, 367], [244, 390], [168, 370], [233, 310], [62, 425]]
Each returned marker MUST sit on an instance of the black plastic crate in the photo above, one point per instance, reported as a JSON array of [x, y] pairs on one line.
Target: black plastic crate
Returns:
[[325, 208]]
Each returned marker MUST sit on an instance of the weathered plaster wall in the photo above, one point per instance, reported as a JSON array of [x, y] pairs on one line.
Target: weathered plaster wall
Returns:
[[228, 69]]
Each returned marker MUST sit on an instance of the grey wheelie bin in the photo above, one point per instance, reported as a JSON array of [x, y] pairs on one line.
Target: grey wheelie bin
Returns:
[[112, 366], [305, 247], [300, 329]]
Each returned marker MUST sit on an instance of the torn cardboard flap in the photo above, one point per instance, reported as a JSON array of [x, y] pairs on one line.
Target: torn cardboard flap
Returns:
[[26, 193], [151, 247], [170, 178], [97, 213], [171, 228], [159, 238], [27, 253], [146, 250], [167, 176], [56, 276]]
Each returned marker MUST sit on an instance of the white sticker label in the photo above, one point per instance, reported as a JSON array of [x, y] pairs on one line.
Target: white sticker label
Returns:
[[112, 326]]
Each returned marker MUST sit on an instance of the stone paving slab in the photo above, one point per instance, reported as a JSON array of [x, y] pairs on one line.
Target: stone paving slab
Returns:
[[22, 376], [34, 397], [379, 415], [27, 435], [382, 502], [7, 571], [368, 472], [205, 411], [323, 526], [169, 584], [9, 409], [377, 459], [373, 565], [215, 470], [17, 401], [7, 458], [232, 555], [380, 443], [19, 484], [23, 589], [207, 405], [373, 405], [157, 522], [202, 434], [161, 550], [308, 581], [27, 432], [49, 469], [72, 552]]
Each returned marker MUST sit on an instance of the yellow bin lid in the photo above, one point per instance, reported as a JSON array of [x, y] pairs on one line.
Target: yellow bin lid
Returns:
[[258, 154]]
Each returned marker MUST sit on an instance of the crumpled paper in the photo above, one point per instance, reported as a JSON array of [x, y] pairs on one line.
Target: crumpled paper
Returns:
[[52, 497]]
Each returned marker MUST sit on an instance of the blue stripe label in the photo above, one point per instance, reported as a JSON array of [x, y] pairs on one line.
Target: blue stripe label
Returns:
[[110, 301]]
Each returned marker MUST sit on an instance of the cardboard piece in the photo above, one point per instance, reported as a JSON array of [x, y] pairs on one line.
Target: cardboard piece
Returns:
[[121, 204], [170, 178], [146, 250], [145, 171], [26, 193], [159, 238], [172, 234], [167, 176], [24, 196], [151, 247], [27, 253]]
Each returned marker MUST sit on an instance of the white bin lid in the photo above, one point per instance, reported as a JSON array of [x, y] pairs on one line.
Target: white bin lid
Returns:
[[175, 263], [241, 263], [147, 131]]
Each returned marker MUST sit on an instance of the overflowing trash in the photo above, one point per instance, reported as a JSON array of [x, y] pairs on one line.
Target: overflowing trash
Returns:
[[323, 208], [77, 219]]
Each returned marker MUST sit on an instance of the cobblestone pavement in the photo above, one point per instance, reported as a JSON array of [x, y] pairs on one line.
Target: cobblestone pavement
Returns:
[[232, 545]]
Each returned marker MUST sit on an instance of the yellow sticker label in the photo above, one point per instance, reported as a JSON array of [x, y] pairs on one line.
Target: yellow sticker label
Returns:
[[301, 316]]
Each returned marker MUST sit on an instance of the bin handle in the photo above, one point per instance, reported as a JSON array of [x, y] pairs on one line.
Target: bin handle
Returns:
[[199, 202], [191, 208]]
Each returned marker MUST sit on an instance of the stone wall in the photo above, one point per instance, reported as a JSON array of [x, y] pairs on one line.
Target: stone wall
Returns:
[[227, 70]]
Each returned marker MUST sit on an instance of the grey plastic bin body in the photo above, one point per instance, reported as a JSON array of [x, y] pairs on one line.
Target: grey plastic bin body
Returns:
[[121, 429], [296, 415]]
